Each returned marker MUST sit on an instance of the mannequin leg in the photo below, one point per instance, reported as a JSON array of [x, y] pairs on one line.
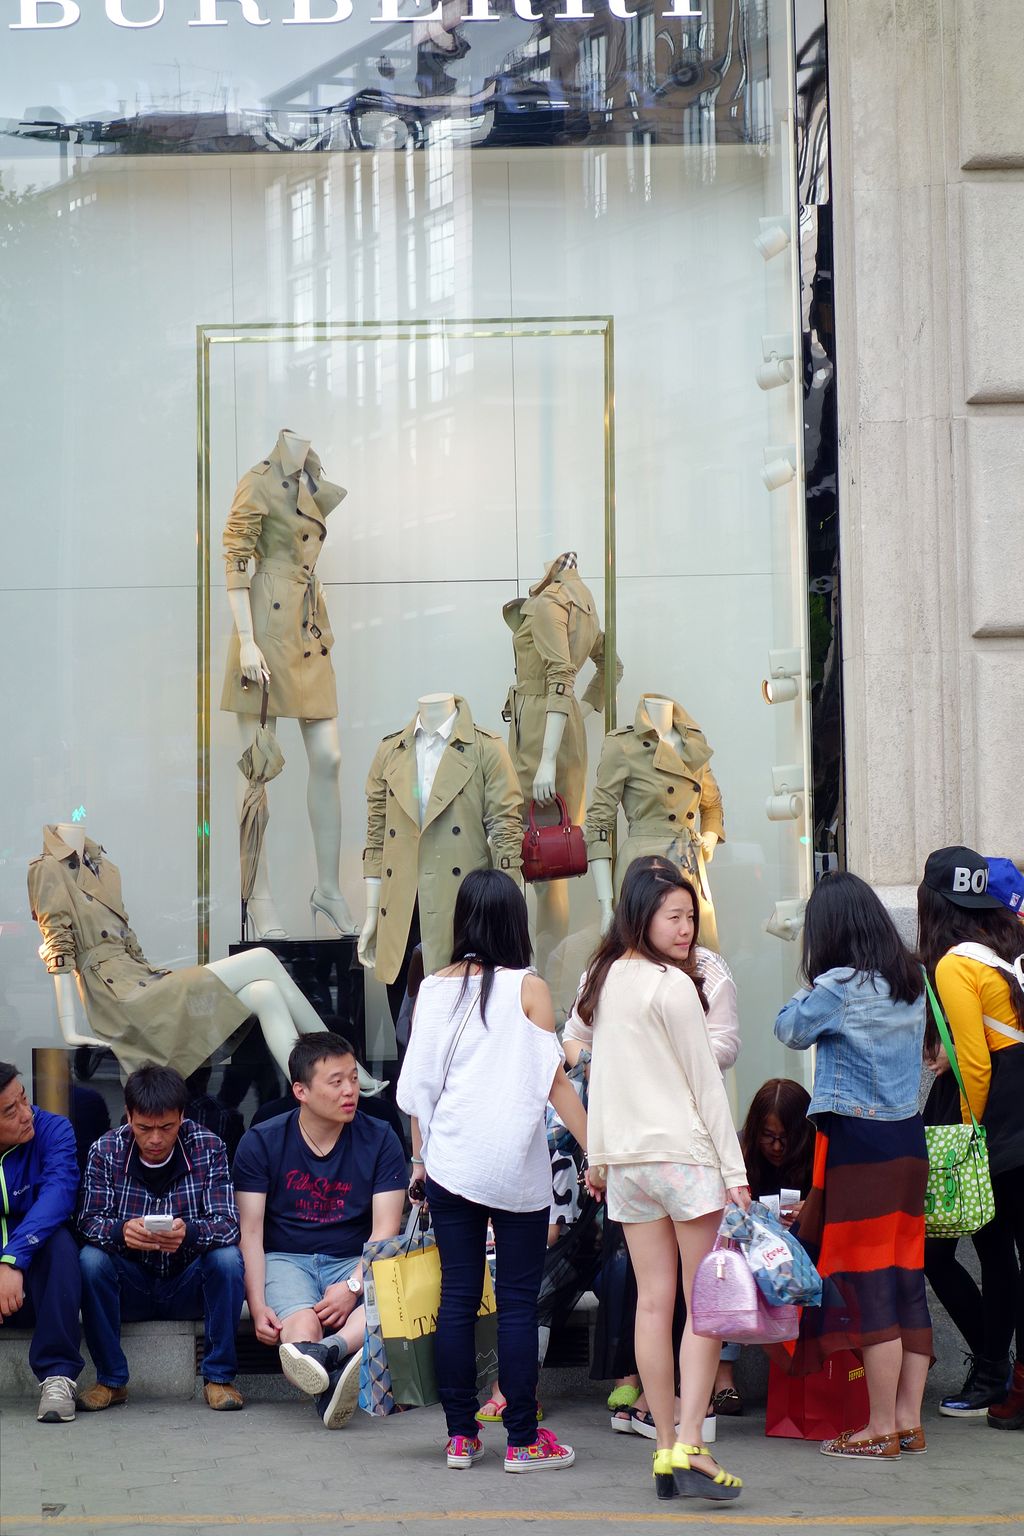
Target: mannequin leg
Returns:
[[276, 1022], [552, 918], [323, 802], [262, 913], [238, 972]]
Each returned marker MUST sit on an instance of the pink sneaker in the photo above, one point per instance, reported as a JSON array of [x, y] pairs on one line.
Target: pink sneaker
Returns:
[[545, 1454], [463, 1450]]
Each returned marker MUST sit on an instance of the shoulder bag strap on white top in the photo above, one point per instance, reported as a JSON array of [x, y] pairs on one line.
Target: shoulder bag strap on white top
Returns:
[[986, 956]]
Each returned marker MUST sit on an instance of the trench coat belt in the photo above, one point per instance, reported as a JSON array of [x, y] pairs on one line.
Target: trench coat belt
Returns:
[[109, 949], [533, 687], [296, 573], [660, 826]]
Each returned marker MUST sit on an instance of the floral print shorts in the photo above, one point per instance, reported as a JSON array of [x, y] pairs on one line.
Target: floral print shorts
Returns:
[[648, 1191]]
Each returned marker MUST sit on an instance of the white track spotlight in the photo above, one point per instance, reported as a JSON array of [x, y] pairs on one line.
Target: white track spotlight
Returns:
[[785, 803], [779, 467], [786, 920], [773, 239], [777, 367], [782, 685]]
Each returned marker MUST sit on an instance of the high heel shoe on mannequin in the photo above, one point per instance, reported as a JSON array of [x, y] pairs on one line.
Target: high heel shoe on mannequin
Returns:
[[261, 920], [335, 910]]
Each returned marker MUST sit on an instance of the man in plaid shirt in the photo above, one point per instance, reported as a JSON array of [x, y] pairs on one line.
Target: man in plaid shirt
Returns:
[[158, 1214]]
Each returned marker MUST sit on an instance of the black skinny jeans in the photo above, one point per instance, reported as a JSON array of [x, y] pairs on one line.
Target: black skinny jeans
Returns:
[[988, 1325], [520, 1241]]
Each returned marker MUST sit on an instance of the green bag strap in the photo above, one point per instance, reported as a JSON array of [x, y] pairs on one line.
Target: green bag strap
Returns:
[[947, 1041]]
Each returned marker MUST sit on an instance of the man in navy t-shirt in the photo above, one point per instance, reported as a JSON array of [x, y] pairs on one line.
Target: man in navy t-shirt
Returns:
[[313, 1186]]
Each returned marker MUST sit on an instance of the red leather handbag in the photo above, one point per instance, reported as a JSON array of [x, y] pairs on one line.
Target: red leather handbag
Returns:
[[555, 852]]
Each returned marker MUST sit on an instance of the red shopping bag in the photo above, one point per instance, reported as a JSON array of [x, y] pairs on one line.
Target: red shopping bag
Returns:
[[820, 1406]]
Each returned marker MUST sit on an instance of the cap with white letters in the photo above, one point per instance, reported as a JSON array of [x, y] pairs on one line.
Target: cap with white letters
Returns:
[[961, 875]]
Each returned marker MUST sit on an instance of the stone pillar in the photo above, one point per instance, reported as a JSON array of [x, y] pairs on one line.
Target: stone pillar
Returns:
[[927, 129]]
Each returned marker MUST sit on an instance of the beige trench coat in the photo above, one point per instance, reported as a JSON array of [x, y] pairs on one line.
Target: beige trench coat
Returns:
[[555, 630], [278, 518], [175, 1018], [473, 821], [663, 793]]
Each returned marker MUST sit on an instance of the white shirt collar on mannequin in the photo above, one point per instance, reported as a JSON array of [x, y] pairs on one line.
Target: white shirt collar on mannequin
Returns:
[[430, 747]]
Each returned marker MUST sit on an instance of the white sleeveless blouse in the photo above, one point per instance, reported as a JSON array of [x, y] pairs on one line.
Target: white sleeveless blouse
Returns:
[[483, 1133]]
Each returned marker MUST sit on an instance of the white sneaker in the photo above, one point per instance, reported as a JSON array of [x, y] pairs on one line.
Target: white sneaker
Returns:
[[57, 1400]]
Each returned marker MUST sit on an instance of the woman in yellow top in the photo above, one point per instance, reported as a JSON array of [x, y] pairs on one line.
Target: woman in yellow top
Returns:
[[969, 942]]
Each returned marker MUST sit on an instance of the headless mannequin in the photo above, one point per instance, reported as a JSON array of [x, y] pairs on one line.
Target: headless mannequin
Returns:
[[552, 895], [435, 710], [659, 712], [257, 978], [323, 790]]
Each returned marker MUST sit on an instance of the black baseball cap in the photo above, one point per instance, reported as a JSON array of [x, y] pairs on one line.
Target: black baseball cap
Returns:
[[961, 875]]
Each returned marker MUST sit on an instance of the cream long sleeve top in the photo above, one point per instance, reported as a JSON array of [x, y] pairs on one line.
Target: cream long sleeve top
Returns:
[[656, 1092]]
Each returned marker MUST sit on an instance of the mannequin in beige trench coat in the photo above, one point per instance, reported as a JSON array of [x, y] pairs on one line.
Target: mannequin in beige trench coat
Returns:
[[671, 799], [282, 634], [473, 820], [175, 1018], [555, 631]]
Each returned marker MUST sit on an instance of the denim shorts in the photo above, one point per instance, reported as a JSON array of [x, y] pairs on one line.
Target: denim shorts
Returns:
[[297, 1281]]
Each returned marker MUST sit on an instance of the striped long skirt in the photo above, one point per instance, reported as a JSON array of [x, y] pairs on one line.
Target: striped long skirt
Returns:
[[863, 1225]]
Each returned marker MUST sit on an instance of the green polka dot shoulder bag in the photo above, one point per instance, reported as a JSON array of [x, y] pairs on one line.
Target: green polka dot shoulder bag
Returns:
[[958, 1201]]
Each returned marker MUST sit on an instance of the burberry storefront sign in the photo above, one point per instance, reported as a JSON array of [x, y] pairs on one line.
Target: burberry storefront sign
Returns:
[[49, 15]]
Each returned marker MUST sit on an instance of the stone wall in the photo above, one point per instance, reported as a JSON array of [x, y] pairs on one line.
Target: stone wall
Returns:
[[927, 125]]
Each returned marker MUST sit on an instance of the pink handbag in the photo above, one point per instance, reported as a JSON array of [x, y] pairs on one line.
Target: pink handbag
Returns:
[[727, 1303]]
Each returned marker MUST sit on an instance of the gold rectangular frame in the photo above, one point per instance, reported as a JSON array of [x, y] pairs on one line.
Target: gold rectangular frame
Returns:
[[270, 332]]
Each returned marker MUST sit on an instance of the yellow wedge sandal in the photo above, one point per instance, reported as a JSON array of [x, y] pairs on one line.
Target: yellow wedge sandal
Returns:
[[692, 1483]]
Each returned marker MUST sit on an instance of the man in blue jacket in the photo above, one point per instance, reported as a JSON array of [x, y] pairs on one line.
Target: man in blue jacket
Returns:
[[40, 1284]]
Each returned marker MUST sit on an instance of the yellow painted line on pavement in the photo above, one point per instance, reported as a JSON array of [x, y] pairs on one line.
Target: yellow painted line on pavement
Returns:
[[525, 1516]]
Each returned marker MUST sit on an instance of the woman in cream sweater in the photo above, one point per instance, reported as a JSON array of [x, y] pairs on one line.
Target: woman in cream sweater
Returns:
[[662, 1135]]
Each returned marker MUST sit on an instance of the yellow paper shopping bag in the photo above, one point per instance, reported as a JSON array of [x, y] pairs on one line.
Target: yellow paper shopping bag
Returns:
[[407, 1293]]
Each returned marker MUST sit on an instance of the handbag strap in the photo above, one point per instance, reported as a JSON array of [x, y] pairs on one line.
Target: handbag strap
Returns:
[[947, 1041], [460, 1031], [564, 820]]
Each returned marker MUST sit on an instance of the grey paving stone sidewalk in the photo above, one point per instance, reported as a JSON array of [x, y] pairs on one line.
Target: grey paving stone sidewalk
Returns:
[[155, 1467]]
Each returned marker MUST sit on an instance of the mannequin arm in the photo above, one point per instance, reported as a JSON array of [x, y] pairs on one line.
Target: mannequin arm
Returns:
[[544, 778], [251, 658], [64, 987], [503, 807], [366, 949], [712, 821], [601, 869]]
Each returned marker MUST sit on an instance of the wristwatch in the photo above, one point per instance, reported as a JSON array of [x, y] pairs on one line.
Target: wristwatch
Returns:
[[355, 1285]]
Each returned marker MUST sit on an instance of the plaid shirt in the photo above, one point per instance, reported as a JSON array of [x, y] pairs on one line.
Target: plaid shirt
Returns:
[[204, 1197]]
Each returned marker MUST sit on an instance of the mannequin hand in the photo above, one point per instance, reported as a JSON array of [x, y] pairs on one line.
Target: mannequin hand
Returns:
[[253, 662], [739, 1195], [366, 949], [544, 781], [607, 916], [709, 842]]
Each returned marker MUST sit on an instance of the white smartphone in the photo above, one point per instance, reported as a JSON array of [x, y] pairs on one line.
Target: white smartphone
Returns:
[[158, 1221]]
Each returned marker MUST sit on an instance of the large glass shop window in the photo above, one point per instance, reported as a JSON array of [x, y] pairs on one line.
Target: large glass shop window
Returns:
[[455, 356]]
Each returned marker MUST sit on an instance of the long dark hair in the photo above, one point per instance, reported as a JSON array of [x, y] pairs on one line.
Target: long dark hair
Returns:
[[847, 928], [782, 1097], [644, 889], [490, 928], [941, 925]]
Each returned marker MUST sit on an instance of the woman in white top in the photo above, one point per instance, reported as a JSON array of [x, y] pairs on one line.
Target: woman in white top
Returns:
[[483, 1062], [660, 1125]]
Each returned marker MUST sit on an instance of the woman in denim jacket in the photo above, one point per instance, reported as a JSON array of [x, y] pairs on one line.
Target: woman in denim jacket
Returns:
[[863, 1221]]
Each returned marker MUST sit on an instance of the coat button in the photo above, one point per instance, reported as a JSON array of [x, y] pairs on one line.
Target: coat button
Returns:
[[689, 815], [322, 537], [671, 789], [305, 538], [307, 653], [277, 605], [267, 463], [88, 898], [456, 871], [383, 911], [456, 831], [305, 623], [459, 747], [284, 485], [109, 981], [142, 983], [671, 818], [305, 567], [104, 934], [391, 832], [387, 872], [323, 650]]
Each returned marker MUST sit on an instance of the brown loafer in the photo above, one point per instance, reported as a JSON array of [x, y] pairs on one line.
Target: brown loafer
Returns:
[[222, 1396], [881, 1448], [912, 1441], [99, 1397]]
